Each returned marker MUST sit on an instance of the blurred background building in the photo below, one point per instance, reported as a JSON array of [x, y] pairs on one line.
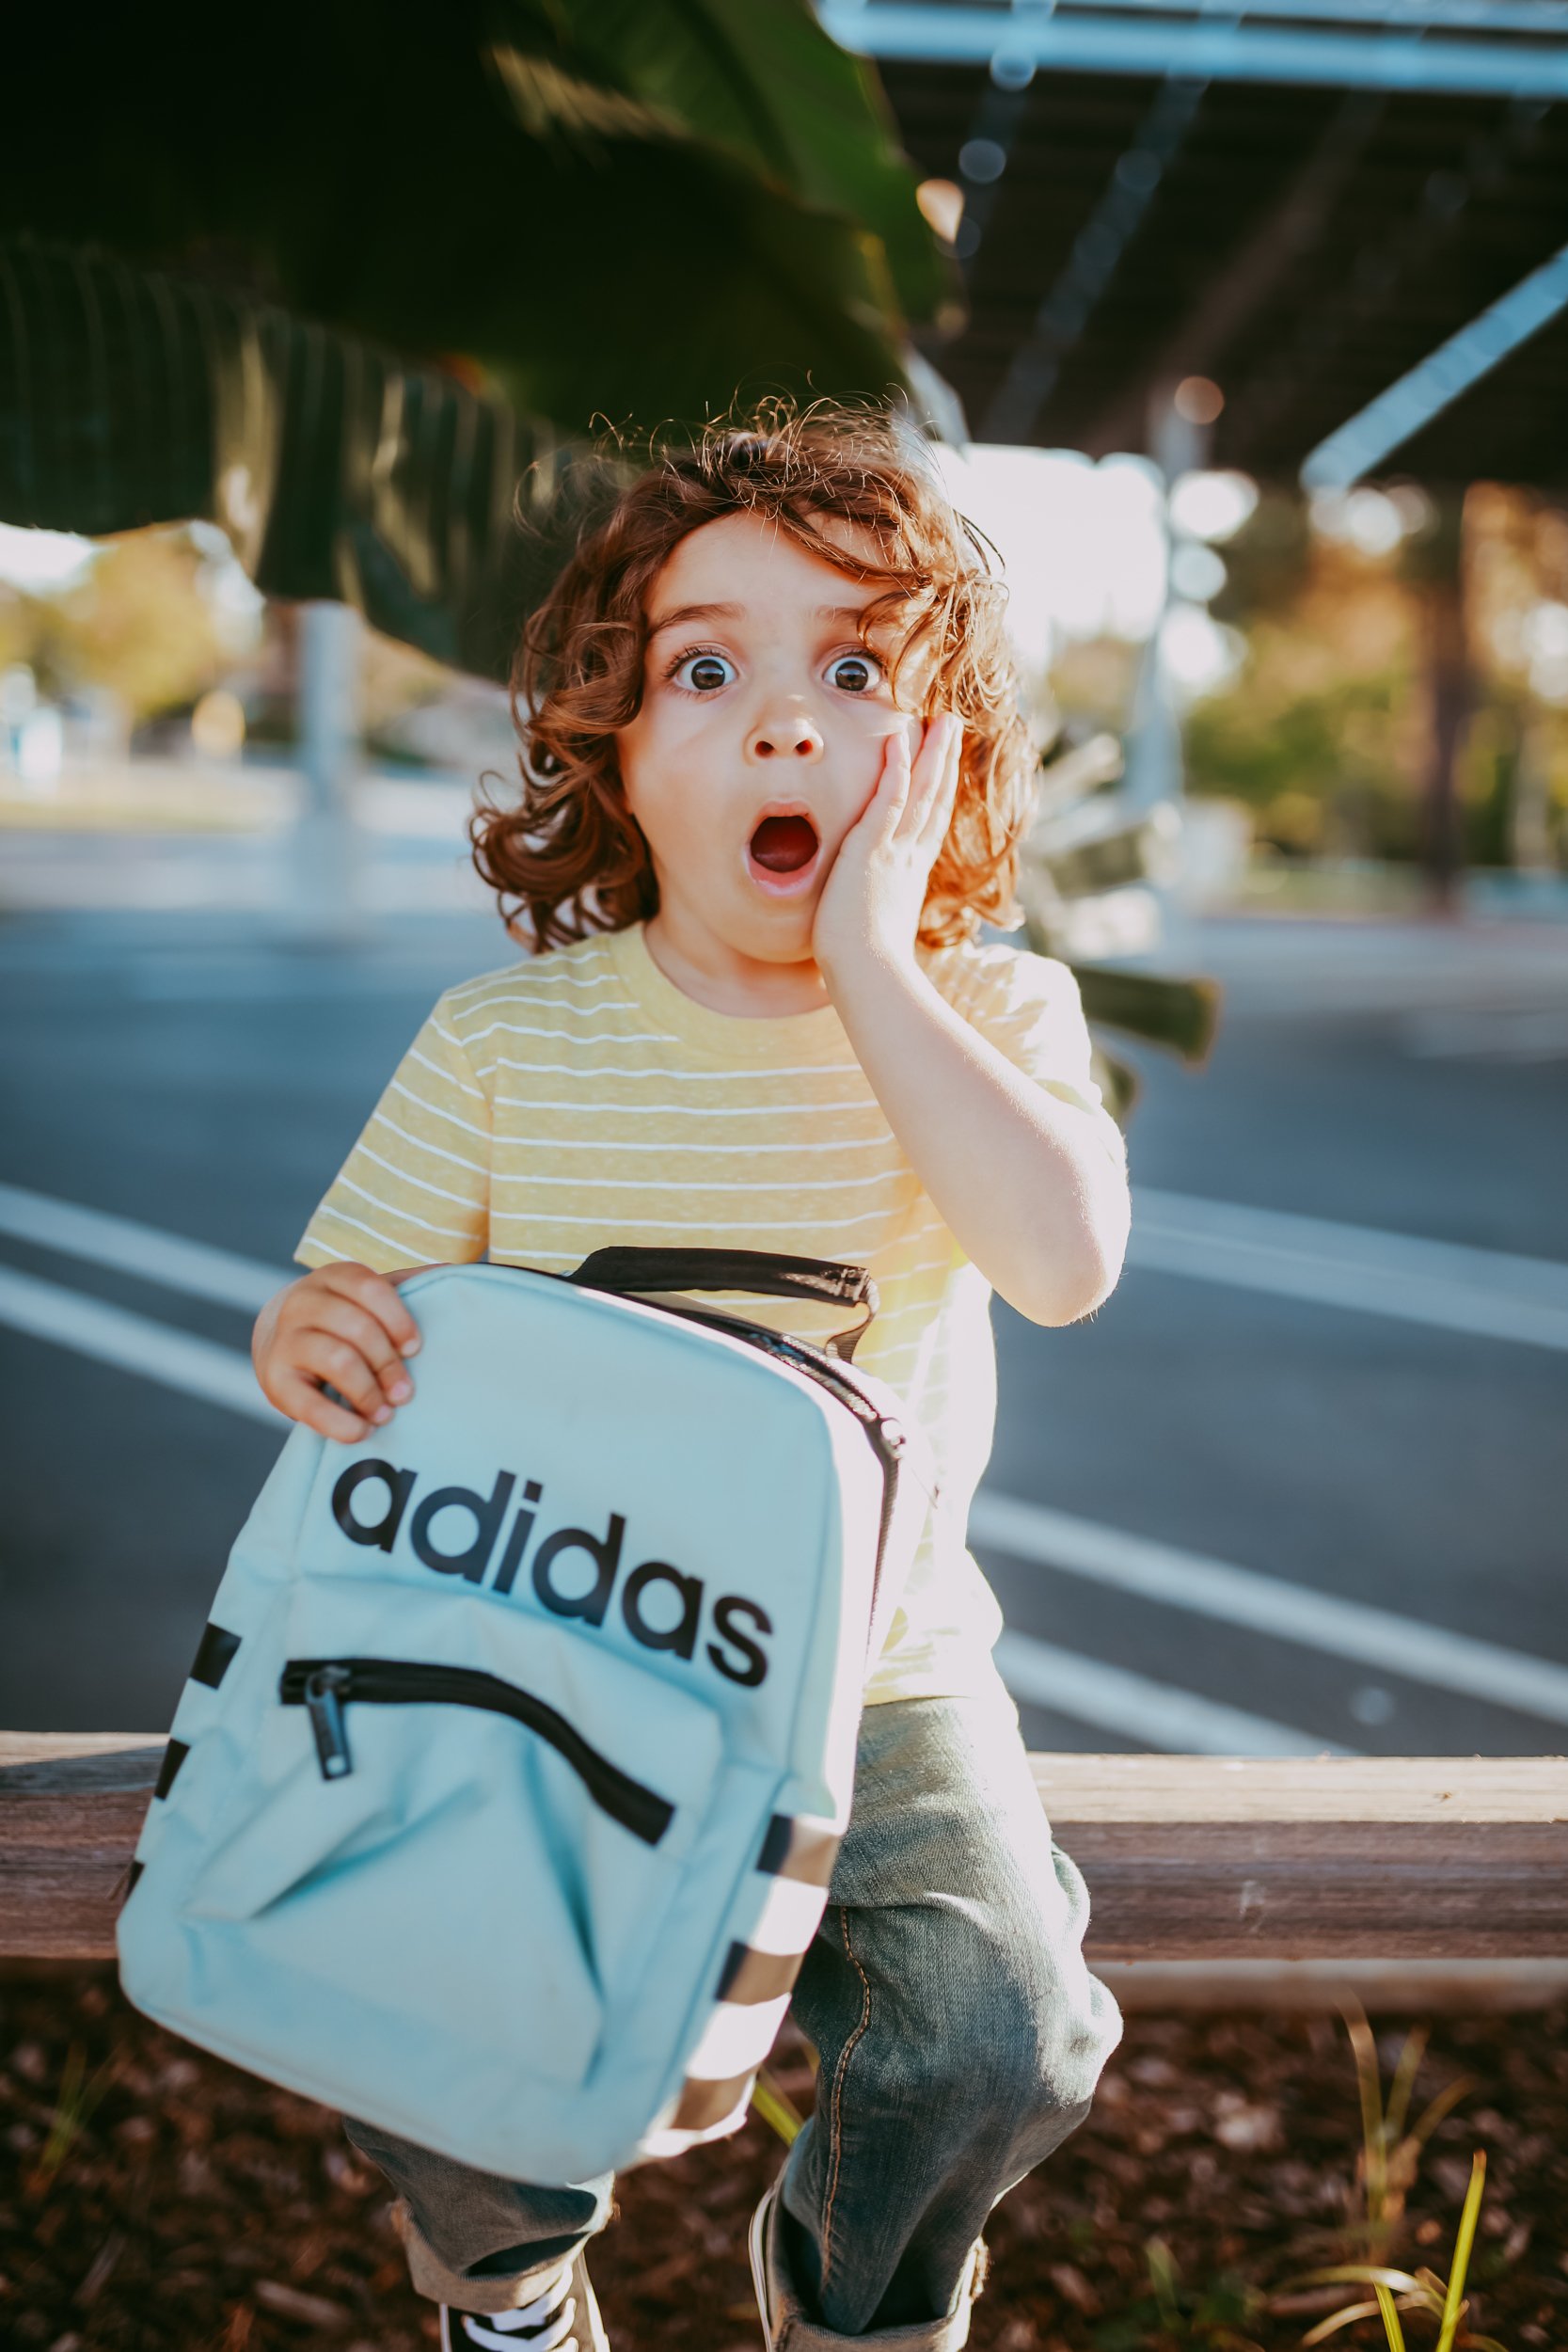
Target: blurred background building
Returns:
[[1245, 340]]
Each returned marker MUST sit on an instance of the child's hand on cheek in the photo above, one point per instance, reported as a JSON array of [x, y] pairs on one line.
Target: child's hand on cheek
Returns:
[[872, 900]]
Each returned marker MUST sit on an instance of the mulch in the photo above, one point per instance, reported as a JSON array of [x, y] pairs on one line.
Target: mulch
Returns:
[[153, 2200]]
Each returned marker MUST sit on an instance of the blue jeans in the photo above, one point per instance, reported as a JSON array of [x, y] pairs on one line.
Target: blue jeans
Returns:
[[960, 2037]]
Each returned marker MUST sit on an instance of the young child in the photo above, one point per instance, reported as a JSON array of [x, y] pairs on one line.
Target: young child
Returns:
[[773, 776]]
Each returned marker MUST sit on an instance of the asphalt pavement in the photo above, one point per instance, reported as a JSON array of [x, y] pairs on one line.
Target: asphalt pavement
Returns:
[[1299, 1486]]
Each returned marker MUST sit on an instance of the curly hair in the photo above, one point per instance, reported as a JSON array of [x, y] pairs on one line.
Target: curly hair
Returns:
[[568, 854]]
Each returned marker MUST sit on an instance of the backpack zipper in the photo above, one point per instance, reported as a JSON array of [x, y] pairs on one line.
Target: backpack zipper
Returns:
[[885, 1436], [324, 1686]]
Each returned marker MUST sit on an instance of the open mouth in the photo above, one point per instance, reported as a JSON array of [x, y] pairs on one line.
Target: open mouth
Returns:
[[784, 844]]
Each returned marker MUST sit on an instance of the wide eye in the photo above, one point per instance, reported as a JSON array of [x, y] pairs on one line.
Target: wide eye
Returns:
[[854, 673], [704, 673]]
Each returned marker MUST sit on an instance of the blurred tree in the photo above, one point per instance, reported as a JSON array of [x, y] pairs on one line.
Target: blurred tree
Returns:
[[1407, 703], [138, 624], [1321, 734], [1516, 586], [17, 626]]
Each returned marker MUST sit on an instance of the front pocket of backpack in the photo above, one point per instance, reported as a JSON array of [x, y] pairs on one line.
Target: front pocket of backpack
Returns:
[[436, 1838]]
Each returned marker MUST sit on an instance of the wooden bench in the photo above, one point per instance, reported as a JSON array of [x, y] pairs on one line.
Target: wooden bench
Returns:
[[1206, 1875]]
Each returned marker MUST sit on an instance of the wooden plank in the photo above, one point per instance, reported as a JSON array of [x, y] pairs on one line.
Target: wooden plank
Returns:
[[72, 1807], [1388, 1987], [1195, 1857], [1186, 1858], [1383, 1789]]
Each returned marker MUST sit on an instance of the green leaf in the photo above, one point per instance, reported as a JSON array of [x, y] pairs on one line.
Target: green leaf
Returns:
[[775, 2108], [335, 468], [1119, 1083], [1336, 2320], [1433, 2114], [1403, 2083], [1359, 2274], [380, 181], [1390, 2319], [1181, 1015], [1108, 863], [760, 81], [1165, 2279], [339, 289], [1454, 2302]]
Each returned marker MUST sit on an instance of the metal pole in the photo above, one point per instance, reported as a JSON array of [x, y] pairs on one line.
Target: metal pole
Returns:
[[1154, 769], [323, 897], [1449, 692]]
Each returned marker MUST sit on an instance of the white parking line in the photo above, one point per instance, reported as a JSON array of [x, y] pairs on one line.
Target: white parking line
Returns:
[[1490, 1293], [1271, 1605], [131, 1247], [1086, 1690], [176, 1360], [1156, 1714]]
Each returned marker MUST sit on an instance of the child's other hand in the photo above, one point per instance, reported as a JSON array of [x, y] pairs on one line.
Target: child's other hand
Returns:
[[875, 892], [343, 1324]]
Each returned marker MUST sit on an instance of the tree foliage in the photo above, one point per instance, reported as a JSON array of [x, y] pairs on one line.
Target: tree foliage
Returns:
[[338, 277]]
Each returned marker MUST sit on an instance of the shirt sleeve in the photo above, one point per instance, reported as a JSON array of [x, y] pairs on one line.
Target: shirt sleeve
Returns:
[[415, 1190], [1028, 1006]]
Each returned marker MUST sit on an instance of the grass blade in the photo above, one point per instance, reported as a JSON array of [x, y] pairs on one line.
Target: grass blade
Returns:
[[1325, 2328], [1373, 2135], [1454, 2303], [1163, 2277], [75, 2103], [1390, 2319], [776, 2110], [1431, 2116], [1404, 2083], [1359, 2275]]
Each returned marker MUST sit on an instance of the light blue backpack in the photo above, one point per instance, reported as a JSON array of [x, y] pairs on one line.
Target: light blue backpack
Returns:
[[502, 1802]]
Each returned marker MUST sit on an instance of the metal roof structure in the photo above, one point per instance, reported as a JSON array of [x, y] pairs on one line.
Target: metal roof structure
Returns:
[[1352, 215]]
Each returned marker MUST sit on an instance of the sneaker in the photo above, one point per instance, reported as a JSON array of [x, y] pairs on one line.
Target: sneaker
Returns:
[[760, 2245], [782, 2319], [562, 2317]]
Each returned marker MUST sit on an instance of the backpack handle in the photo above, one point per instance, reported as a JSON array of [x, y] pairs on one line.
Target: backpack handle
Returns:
[[766, 1272]]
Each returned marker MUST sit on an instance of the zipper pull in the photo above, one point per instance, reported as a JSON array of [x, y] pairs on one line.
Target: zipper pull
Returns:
[[324, 1693]]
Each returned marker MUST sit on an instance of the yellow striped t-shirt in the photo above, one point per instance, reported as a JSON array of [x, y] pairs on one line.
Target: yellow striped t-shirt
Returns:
[[579, 1098]]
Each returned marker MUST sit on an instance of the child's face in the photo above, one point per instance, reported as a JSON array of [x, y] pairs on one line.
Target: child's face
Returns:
[[760, 739]]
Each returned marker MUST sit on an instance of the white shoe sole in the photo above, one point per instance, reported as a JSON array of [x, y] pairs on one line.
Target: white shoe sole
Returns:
[[756, 2244], [588, 2328]]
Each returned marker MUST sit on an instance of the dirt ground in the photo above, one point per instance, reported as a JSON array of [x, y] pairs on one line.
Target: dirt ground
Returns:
[[152, 2200]]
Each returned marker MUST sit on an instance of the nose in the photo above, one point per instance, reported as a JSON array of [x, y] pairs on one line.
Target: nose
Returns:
[[785, 735]]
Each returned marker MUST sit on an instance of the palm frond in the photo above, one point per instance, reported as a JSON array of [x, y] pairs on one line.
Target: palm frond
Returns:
[[338, 470], [1180, 1015]]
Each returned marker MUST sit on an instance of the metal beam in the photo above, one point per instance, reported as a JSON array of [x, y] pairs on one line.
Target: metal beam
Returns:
[[1031, 374], [1109, 38], [1399, 414], [1290, 227], [1411, 17]]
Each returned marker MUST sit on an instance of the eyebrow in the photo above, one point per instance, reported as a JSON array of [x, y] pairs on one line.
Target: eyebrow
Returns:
[[688, 612]]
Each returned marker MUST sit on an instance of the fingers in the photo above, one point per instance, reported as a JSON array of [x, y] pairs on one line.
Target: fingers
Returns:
[[893, 785], [378, 1298], [341, 1328], [935, 777], [303, 1401], [340, 1320], [324, 1357], [939, 814]]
